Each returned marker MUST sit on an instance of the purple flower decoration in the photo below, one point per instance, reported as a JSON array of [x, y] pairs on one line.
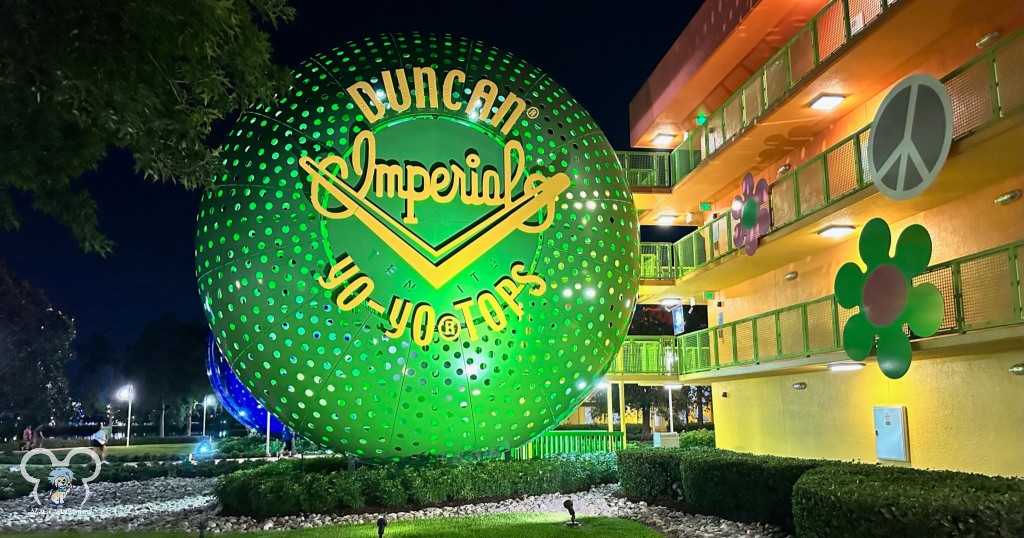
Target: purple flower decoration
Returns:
[[750, 220]]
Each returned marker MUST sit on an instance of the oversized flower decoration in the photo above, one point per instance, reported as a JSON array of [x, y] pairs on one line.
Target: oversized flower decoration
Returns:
[[750, 219], [887, 296]]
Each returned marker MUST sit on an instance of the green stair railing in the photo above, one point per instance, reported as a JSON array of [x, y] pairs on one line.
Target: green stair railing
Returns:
[[648, 355], [646, 168], [656, 261], [555, 442]]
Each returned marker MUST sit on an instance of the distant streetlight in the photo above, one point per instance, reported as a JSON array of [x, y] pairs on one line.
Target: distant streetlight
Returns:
[[208, 400], [127, 393]]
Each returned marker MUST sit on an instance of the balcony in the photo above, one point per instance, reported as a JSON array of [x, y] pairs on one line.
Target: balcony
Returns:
[[769, 117], [836, 187], [981, 291]]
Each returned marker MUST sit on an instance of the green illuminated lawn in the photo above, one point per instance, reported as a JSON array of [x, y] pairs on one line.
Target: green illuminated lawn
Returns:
[[528, 525]]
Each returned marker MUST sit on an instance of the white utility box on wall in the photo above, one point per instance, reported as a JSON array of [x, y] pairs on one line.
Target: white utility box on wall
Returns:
[[891, 433]]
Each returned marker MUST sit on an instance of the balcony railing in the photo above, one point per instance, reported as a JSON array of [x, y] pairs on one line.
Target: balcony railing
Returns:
[[985, 90], [812, 45], [979, 291], [656, 261], [557, 442], [645, 169]]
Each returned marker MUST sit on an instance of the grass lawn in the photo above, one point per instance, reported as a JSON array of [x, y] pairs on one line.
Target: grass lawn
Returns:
[[527, 525], [170, 449]]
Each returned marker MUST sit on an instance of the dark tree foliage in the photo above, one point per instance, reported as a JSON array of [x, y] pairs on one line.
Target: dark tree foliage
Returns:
[[95, 374], [167, 365], [78, 78], [35, 343]]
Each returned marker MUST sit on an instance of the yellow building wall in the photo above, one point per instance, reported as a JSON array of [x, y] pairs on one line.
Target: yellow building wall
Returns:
[[963, 413]]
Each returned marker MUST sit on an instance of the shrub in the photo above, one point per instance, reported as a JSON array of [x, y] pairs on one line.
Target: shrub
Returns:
[[697, 439], [873, 501], [742, 487], [324, 486], [650, 474]]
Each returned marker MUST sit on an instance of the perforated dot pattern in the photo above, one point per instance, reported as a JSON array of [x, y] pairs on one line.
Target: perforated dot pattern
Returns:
[[332, 374]]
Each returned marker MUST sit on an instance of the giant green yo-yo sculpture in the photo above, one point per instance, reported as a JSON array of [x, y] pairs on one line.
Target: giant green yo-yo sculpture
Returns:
[[426, 248]]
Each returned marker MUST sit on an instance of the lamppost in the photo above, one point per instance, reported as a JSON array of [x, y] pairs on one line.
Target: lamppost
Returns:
[[127, 392], [671, 414], [208, 400]]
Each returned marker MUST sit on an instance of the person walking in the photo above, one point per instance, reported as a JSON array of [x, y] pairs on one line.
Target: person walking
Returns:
[[26, 439], [37, 436], [98, 441], [287, 442]]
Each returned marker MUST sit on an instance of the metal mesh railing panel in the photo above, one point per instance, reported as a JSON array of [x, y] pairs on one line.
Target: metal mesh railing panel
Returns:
[[715, 132], [985, 297], [863, 143], [776, 78], [791, 331], [942, 279], [831, 30], [844, 316], [767, 339], [1010, 75], [811, 180], [801, 53], [733, 117], [753, 100], [783, 202], [745, 341], [820, 326], [970, 96], [863, 13], [724, 346], [842, 170]]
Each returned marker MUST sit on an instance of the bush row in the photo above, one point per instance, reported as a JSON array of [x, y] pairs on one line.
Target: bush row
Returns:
[[317, 486], [820, 498], [633, 430]]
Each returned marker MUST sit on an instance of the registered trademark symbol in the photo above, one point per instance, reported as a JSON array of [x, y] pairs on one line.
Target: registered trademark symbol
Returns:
[[532, 112], [448, 327]]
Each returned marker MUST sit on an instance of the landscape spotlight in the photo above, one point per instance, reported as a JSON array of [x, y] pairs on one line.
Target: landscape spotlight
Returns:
[[572, 513], [381, 523]]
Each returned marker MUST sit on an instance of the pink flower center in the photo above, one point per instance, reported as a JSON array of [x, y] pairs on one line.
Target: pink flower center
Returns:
[[885, 295]]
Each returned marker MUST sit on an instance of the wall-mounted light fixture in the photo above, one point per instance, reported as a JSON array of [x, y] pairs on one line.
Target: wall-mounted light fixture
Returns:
[[799, 385], [836, 231], [791, 275], [1017, 369], [689, 218], [987, 39], [845, 366], [666, 219], [827, 101], [1008, 198], [725, 394], [784, 168]]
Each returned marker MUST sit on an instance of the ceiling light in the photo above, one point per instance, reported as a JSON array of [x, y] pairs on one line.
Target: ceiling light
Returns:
[[673, 387], [835, 231], [663, 138], [667, 219], [799, 385], [827, 101], [845, 367], [671, 301], [791, 275], [1008, 198], [1017, 369], [987, 40]]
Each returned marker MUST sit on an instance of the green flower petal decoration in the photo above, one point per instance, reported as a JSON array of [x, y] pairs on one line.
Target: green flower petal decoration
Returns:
[[893, 352], [886, 296]]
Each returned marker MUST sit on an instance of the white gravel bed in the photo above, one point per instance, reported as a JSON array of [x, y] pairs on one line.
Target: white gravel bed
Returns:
[[185, 503]]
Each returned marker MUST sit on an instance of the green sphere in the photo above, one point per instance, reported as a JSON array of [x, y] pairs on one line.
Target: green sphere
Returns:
[[428, 248], [748, 218]]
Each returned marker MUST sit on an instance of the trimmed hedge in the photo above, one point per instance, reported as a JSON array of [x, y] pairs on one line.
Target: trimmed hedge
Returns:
[[870, 501], [743, 487], [652, 474], [289, 488]]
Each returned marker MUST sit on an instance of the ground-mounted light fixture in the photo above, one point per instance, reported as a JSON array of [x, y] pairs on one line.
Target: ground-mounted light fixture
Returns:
[[1008, 198], [381, 523], [572, 514], [662, 139], [845, 366], [1017, 369], [836, 230], [827, 101], [667, 219], [987, 39], [799, 385], [791, 276]]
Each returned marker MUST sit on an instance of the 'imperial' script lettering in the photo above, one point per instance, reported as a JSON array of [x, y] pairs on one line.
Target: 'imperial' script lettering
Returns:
[[413, 182], [424, 82]]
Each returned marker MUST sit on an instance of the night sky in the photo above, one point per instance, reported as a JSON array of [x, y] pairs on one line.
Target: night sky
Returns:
[[601, 55]]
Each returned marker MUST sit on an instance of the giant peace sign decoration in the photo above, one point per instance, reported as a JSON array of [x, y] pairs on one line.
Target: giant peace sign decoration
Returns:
[[910, 137]]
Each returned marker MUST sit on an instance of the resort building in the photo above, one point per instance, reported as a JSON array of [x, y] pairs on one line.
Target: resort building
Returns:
[[788, 91]]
